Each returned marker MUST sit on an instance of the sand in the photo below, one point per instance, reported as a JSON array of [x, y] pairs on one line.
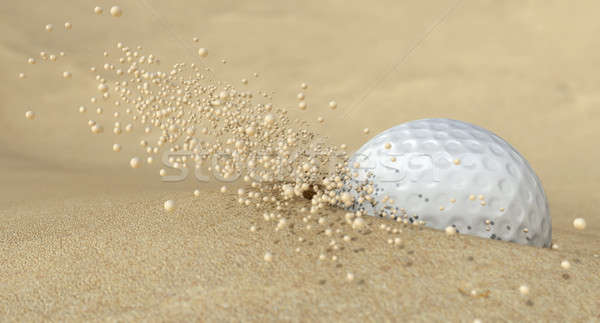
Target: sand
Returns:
[[84, 238]]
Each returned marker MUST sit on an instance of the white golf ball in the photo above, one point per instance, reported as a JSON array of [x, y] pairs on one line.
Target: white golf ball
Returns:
[[449, 173]]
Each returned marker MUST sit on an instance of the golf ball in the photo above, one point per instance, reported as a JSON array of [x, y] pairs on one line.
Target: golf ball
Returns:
[[449, 173]]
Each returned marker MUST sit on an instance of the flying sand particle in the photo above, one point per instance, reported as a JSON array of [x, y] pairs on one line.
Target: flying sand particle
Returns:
[[358, 223], [450, 230], [103, 88], [134, 162], [97, 129], [30, 115], [116, 11], [169, 205], [268, 257], [579, 224]]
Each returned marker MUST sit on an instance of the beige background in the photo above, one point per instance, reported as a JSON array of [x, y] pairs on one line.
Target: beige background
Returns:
[[83, 237]]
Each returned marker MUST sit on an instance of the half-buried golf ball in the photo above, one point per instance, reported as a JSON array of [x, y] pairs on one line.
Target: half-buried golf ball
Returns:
[[451, 173]]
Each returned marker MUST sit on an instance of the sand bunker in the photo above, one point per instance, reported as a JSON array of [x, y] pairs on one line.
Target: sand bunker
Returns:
[[286, 235]]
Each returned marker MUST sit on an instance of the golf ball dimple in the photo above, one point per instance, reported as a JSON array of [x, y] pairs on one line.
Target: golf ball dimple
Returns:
[[449, 173]]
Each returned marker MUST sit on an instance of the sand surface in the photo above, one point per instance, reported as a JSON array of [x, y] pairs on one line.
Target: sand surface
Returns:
[[84, 238]]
